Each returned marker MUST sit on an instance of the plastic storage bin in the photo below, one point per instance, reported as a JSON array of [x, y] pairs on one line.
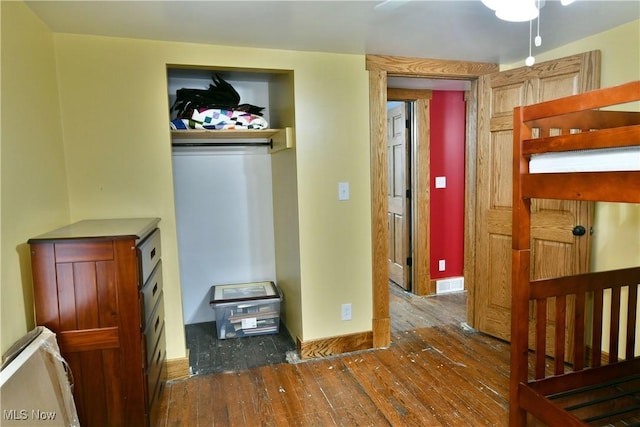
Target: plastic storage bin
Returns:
[[246, 309]]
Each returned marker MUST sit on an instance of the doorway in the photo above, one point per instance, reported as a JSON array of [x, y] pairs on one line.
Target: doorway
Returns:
[[380, 68], [425, 157], [425, 140]]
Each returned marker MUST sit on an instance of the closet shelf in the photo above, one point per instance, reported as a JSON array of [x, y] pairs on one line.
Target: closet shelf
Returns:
[[277, 139]]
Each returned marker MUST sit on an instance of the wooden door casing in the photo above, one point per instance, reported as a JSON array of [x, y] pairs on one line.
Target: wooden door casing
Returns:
[[379, 67], [555, 250]]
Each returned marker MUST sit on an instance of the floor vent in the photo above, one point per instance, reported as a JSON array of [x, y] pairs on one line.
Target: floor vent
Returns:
[[455, 284]]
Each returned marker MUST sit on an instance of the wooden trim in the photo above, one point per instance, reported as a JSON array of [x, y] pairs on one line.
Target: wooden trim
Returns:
[[334, 345], [382, 330], [435, 68], [379, 205], [433, 286], [469, 263], [398, 94], [379, 67], [178, 368], [421, 171]]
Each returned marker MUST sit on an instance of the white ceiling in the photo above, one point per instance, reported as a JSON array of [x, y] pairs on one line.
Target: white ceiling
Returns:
[[453, 29]]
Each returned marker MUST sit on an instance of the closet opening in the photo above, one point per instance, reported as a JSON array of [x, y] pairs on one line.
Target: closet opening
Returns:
[[236, 212]]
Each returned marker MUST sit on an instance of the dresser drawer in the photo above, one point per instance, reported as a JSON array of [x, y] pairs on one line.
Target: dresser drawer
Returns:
[[156, 398], [154, 328], [155, 368], [149, 251], [150, 294]]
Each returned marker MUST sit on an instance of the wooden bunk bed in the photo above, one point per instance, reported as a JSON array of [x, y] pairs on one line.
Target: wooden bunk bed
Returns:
[[595, 387]]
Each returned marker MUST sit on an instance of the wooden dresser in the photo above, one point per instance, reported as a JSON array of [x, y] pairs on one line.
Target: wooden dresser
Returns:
[[98, 286]]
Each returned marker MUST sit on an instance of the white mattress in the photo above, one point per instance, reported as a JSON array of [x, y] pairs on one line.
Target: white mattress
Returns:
[[599, 160]]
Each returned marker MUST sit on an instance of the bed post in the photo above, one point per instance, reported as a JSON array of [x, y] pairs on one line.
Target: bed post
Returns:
[[520, 275]]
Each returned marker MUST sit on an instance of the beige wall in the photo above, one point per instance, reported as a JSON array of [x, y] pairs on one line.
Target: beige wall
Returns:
[[117, 145], [34, 189]]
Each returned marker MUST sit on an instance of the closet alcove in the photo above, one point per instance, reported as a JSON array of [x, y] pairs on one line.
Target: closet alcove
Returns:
[[235, 192]]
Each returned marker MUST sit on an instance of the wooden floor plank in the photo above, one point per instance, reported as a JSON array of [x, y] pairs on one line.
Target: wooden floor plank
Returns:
[[219, 407], [436, 411], [284, 407], [444, 379], [206, 401], [388, 392], [456, 380], [182, 407], [344, 395], [233, 397], [315, 397], [260, 412], [435, 373], [463, 344]]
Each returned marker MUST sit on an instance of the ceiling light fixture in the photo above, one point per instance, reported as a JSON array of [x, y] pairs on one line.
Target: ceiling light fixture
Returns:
[[513, 10], [522, 11]]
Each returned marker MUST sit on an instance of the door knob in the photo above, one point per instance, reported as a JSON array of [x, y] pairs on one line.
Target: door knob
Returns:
[[579, 230]]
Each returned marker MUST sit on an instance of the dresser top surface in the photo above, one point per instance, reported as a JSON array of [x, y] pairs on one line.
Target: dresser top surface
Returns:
[[135, 228]]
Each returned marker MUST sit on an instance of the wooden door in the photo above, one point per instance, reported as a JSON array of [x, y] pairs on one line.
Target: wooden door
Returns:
[[555, 250], [397, 195]]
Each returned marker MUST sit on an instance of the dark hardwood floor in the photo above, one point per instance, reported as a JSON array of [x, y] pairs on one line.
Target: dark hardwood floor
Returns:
[[437, 372], [208, 354]]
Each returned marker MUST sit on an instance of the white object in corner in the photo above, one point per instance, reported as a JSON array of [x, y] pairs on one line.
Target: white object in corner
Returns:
[[34, 387]]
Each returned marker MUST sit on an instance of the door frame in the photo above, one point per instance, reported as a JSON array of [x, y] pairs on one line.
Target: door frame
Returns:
[[379, 68]]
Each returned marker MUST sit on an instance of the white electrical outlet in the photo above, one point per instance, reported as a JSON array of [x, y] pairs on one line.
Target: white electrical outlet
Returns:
[[441, 265], [343, 191], [346, 312]]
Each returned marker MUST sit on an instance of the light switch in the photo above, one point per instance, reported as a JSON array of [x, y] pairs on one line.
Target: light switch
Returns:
[[343, 191], [441, 182]]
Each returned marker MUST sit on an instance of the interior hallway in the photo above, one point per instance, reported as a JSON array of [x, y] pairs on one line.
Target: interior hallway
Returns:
[[436, 372]]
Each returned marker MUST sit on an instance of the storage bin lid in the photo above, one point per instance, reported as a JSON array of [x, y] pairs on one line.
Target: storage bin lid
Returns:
[[243, 292]]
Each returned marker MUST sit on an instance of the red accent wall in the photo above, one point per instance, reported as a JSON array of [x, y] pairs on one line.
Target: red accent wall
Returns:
[[447, 116]]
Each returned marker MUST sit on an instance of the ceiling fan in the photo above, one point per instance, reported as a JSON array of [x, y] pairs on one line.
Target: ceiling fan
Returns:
[[506, 10]]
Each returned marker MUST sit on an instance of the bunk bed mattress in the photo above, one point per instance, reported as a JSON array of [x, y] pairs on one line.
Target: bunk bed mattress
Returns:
[[597, 160]]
